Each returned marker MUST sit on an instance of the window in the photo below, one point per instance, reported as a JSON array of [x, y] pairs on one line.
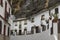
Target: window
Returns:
[[42, 17], [9, 12], [25, 22], [32, 20], [56, 11], [1, 2], [43, 27], [11, 32], [20, 26]]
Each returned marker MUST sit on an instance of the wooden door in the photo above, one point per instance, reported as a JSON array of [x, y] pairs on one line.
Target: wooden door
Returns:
[[8, 30], [32, 30], [0, 27], [19, 32], [58, 26], [37, 29]]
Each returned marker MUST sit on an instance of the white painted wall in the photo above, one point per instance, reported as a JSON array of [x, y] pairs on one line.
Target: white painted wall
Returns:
[[2, 9], [37, 20], [2, 13]]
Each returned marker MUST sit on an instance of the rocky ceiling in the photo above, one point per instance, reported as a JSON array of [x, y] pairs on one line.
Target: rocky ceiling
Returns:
[[34, 7], [16, 5]]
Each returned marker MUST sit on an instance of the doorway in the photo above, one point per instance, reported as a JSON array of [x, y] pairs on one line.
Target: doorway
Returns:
[[4, 29], [0, 27], [19, 32], [58, 26], [59, 29], [8, 30]]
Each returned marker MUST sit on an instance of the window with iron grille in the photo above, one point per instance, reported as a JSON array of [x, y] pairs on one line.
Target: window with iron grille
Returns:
[[32, 20], [20, 26], [56, 11], [1, 2]]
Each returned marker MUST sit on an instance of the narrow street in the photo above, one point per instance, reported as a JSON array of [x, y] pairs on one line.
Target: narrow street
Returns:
[[29, 19]]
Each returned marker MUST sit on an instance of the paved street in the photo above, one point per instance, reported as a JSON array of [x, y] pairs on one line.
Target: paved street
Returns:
[[38, 36], [4, 37]]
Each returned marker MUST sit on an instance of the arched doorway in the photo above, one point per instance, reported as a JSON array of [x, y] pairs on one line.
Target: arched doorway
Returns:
[[0, 27]]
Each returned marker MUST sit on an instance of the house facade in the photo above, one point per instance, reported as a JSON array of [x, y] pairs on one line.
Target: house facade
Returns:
[[5, 13]]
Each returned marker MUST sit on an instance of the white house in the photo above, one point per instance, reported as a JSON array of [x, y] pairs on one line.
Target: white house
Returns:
[[5, 13]]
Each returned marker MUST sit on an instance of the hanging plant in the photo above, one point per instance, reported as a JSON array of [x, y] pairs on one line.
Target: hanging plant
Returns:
[[55, 17]]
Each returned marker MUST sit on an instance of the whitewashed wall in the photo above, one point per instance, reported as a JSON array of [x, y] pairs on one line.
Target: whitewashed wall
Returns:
[[2, 9], [2, 13], [37, 20]]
